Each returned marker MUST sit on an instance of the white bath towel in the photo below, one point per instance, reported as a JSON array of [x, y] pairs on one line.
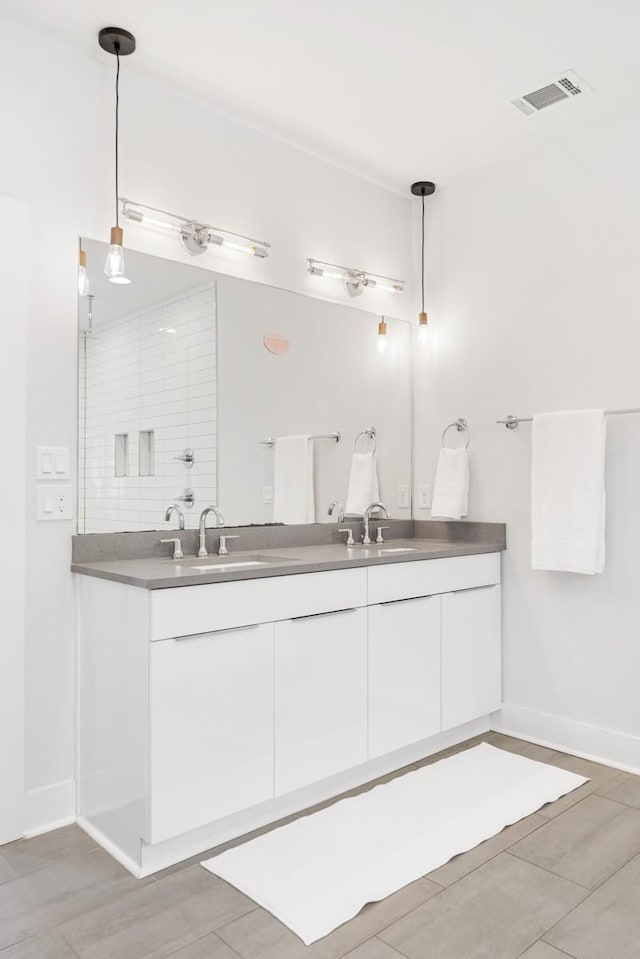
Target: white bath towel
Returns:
[[293, 492], [363, 484], [451, 487], [567, 491]]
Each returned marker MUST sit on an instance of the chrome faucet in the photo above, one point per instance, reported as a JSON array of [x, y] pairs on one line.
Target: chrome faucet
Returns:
[[202, 551], [336, 505], [366, 539], [174, 508]]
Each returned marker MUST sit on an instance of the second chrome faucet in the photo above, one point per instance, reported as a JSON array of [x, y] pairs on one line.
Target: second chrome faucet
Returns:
[[202, 549]]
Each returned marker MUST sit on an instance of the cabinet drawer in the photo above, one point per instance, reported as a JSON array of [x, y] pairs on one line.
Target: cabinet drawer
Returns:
[[188, 610], [426, 577]]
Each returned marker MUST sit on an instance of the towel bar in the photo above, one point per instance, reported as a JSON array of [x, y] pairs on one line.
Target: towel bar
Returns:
[[336, 437], [511, 422]]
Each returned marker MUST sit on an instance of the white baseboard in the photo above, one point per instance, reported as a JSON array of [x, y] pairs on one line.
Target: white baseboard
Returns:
[[620, 750], [49, 807], [110, 847]]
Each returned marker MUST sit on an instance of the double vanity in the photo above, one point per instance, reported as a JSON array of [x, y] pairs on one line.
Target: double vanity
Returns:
[[221, 694]]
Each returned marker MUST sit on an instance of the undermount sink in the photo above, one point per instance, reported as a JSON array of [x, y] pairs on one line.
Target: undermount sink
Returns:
[[399, 549], [389, 548], [218, 564]]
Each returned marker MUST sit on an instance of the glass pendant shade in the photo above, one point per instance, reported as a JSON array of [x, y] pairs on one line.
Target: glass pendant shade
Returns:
[[114, 264], [83, 278]]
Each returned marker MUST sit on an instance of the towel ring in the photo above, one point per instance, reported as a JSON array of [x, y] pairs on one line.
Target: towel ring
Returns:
[[461, 426], [370, 432]]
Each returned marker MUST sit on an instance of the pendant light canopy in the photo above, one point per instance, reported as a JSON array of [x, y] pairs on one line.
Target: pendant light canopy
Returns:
[[120, 43], [422, 188]]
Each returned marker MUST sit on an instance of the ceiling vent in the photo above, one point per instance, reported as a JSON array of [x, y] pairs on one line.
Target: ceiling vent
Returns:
[[566, 86]]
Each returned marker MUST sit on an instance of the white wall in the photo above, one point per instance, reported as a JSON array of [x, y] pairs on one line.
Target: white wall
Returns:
[[535, 293], [331, 379], [178, 155], [14, 258]]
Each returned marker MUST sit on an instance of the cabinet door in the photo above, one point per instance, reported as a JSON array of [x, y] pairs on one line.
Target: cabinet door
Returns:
[[321, 697], [404, 673], [471, 655], [211, 727]]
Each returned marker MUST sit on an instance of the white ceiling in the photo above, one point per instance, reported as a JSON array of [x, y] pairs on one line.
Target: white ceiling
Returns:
[[394, 90]]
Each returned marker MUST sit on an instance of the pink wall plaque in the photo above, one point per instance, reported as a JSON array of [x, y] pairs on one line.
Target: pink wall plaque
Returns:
[[276, 343]]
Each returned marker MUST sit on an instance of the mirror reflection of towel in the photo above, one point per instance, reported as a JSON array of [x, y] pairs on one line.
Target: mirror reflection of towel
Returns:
[[293, 492], [363, 484], [451, 488]]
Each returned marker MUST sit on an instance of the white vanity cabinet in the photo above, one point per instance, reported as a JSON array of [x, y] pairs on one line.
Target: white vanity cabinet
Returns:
[[211, 727], [471, 654], [403, 673], [207, 711], [321, 697]]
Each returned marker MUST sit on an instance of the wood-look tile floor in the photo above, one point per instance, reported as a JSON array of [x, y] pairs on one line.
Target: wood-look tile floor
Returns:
[[565, 882]]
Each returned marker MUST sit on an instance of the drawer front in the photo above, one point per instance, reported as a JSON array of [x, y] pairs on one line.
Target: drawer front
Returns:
[[426, 577], [189, 610]]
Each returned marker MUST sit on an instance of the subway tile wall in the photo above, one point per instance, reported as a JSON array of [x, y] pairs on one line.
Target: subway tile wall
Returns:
[[153, 370]]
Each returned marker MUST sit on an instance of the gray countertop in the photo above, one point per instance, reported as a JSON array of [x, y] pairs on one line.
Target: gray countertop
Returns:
[[163, 573]]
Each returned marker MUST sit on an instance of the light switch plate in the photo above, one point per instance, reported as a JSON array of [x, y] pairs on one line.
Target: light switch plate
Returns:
[[267, 494], [52, 463], [425, 496], [54, 502], [404, 500]]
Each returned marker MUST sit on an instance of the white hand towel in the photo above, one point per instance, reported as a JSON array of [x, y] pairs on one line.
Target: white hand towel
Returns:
[[363, 484], [293, 493], [451, 488], [567, 491]]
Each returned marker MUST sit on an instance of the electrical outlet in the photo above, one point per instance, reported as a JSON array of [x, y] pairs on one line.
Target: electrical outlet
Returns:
[[267, 494], [425, 495], [54, 502], [404, 501]]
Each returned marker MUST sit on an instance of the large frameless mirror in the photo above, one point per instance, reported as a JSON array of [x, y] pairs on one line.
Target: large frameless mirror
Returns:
[[187, 377]]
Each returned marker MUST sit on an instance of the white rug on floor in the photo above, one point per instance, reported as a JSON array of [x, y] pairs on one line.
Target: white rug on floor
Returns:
[[319, 871]]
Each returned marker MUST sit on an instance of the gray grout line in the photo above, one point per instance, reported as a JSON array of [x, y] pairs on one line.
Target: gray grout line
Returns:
[[561, 951], [578, 904]]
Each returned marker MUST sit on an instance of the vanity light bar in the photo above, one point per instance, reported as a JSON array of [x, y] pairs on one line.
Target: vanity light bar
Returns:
[[359, 278], [196, 236]]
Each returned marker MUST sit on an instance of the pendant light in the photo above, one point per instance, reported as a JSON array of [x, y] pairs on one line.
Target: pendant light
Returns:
[[382, 335], [120, 43], [422, 189], [83, 278]]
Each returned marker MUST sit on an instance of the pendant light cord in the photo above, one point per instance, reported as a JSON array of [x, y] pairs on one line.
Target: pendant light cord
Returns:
[[117, 49], [422, 261]]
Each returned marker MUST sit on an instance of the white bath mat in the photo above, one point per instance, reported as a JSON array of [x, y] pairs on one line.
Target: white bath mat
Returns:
[[319, 871]]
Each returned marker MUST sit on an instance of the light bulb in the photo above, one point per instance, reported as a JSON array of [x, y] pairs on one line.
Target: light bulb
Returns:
[[382, 336], [423, 329], [114, 264], [83, 278]]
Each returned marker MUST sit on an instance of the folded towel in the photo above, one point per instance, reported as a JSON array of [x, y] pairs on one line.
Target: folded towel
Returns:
[[567, 491], [293, 493], [451, 488], [363, 484]]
